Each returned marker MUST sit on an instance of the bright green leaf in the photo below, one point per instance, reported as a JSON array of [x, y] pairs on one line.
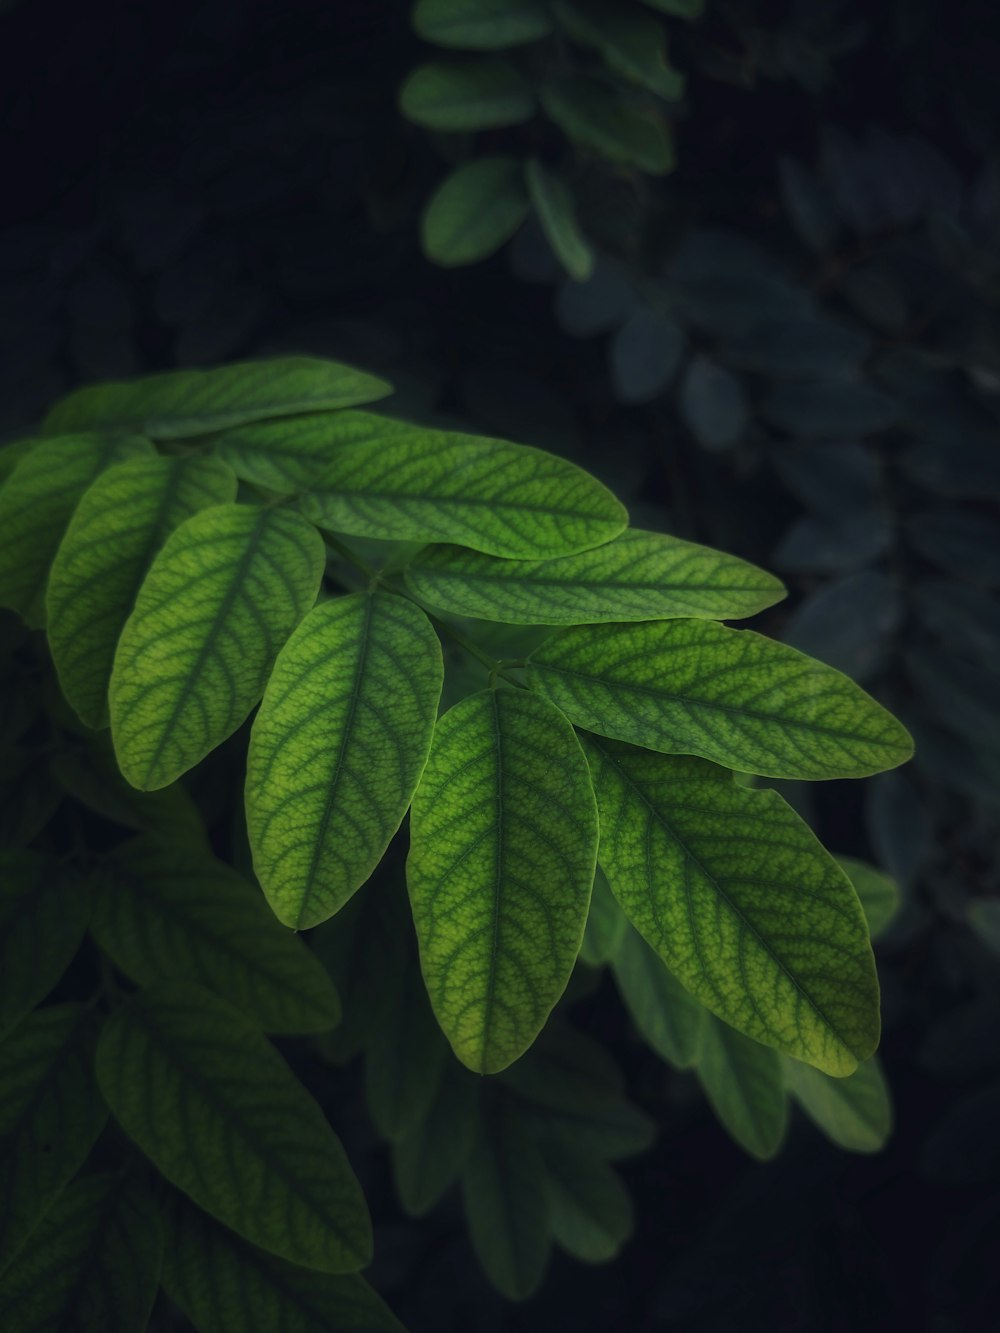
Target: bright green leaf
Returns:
[[553, 205], [220, 599], [118, 527], [164, 912], [50, 1115], [630, 43], [481, 25], [93, 1262], [741, 901], [218, 1111], [590, 1210], [637, 576], [36, 504], [855, 1112], [597, 117], [441, 486], [502, 851], [605, 927], [222, 1284], [337, 749], [474, 210], [743, 1083], [669, 1019], [732, 696], [477, 93], [181, 403], [878, 892], [430, 1156]]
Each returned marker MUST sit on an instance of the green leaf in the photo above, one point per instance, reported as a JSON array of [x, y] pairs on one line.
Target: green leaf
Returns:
[[337, 749], [964, 543], [163, 912], [474, 210], [92, 1263], [43, 918], [878, 892], [637, 576], [221, 1283], [181, 403], [644, 354], [712, 404], [441, 486], [50, 1115], [427, 1160], [116, 530], [855, 1112], [669, 1019], [553, 205], [12, 452], [830, 408], [476, 93], [503, 1188], [732, 696], [983, 916], [685, 9], [221, 598], [503, 845], [605, 927], [590, 1210], [36, 504], [597, 117], [630, 43], [743, 1083], [481, 25], [741, 901], [218, 1111]]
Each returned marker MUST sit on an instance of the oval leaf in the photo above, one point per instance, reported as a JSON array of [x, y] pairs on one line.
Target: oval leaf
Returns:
[[878, 892], [732, 696], [741, 901], [637, 576], [553, 205], [502, 851], [481, 25], [219, 601], [471, 94], [337, 749], [502, 498], [116, 530], [590, 1210], [743, 1083], [855, 1112], [474, 211], [594, 115], [669, 1019], [632, 44], [218, 1111], [428, 1159]]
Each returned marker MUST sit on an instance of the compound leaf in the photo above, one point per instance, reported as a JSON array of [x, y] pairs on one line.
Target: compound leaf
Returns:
[[221, 598], [481, 25], [855, 1112], [590, 1210], [116, 530], [743, 1083], [732, 696], [337, 749], [163, 911], [217, 1110], [182, 403], [430, 1156], [741, 901], [637, 576], [669, 1019], [502, 853], [553, 205], [440, 486], [477, 93], [474, 210]]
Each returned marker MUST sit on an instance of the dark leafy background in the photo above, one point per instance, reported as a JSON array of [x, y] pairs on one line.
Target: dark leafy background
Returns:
[[790, 349]]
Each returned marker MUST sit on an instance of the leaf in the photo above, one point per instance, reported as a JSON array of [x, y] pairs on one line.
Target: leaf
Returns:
[[43, 918], [502, 498], [637, 576], [474, 210], [900, 827], [983, 915], [877, 891], [178, 404], [741, 901], [475, 93], [50, 1115], [590, 1210], [827, 545], [116, 530], [855, 1112], [712, 404], [644, 354], [731, 696], [597, 117], [553, 204], [428, 1159], [337, 749], [503, 1188], [481, 25], [92, 1263], [968, 619], [218, 1111], [37, 503], [605, 927], [961, 543], [11, 453], [600, 304], [849, 623], [799, 348], [631, 44], [503, 843], [166, 912], [221, 1283], [685, 9], [221, 597], [743, 1083], [670, 1021], [831, 408], [807, 203]]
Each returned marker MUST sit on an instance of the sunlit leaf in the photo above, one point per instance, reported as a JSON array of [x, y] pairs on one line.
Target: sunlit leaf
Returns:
[[669, 1019], [596, 116], [430, 1156], [481, 25], [744, 1085], [855, 1112], [553, 205], [478, 207], [477, 93], [590, 1210], [221, 598]]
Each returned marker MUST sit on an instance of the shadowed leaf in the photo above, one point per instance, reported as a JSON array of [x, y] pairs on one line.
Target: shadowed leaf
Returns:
[[743, 1083]]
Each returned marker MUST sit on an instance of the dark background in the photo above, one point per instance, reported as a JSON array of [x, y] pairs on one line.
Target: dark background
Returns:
[[191, 183]]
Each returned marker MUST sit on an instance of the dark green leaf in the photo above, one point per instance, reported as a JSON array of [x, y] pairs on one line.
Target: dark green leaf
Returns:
[[685, 9], [964, 544], [798, 348], [630, 43], [855, 1112], [474, 211], [597, 117], [966, 618], [984, 918], [743, 1082], [831, 407], [644, 354], [606, 924], [430, 1156], [900, 826], [477, 93], [553, 205], [603, 302], [481, 25], [712, 404], [877, 891], [590, 1210], [849, 623], [669, 1019]]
